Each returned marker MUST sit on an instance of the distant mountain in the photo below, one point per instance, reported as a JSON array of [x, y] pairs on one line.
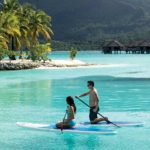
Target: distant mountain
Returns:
[[93, 20]]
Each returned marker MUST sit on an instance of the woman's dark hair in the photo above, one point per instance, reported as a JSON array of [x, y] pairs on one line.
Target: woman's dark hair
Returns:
[[70, 101]]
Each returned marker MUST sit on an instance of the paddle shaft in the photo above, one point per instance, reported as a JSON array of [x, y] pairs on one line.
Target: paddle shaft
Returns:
[[98, 113], [64, 117], [63, 122]]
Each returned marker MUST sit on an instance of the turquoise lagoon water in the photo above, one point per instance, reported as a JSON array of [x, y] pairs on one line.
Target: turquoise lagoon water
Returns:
[[38, 96]]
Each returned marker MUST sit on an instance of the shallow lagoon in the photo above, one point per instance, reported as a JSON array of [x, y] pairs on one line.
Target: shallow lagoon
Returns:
[[38, 96]]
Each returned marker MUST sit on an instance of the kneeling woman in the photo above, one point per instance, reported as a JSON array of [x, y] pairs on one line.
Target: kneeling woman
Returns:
[[71, 110]]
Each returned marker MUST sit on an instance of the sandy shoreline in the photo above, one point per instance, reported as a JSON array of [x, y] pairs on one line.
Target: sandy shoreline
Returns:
[[53, 64], [61, 64], [87, 66]]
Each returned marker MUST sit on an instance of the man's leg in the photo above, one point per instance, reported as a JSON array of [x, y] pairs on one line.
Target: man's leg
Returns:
[[93, 117], [96, 119]]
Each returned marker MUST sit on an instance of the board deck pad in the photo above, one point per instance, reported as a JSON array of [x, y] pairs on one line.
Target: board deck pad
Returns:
[[119, 123], [78, 129]]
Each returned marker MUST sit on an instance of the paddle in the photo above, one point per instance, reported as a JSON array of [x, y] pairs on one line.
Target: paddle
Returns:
[[98, 113], [63, 122]]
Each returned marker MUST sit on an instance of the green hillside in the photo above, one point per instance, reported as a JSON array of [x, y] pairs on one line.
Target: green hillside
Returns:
[[94, 20]]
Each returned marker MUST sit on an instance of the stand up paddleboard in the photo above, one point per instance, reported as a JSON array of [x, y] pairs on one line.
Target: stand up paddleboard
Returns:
[[78, 129], [118, 123]]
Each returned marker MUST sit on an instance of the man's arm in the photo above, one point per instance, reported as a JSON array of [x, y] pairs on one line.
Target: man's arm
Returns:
[[84, 94]]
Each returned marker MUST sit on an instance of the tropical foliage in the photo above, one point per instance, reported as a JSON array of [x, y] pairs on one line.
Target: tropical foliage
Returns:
[[2, 53], [23, 27], [40, 52], [73, 53]]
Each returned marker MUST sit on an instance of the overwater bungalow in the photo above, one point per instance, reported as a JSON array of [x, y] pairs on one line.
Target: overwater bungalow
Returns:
[[133, 47], [113, 46], [139, 47], [145, 47]]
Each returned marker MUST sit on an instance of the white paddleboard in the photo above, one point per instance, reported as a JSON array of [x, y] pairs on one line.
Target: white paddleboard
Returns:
[[78, 129], [119, 123]]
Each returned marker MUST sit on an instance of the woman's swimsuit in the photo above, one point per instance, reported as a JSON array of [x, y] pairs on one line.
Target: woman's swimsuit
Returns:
[[72, 122]]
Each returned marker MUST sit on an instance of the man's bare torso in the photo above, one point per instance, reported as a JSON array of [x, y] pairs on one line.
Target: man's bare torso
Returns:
[[93, 98]]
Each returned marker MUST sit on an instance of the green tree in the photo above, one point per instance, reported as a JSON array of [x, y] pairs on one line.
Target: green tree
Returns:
[[40, 25], [10, 6], [22, 26], [2, 53], [73, 53], [40, 52], [9, 27], [3, 42]]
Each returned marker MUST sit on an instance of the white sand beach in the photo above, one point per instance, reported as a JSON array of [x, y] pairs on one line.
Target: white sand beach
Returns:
[[60, 64], [53, 64]]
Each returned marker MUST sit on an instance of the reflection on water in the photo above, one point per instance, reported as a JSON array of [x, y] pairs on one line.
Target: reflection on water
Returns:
[[34, 93]]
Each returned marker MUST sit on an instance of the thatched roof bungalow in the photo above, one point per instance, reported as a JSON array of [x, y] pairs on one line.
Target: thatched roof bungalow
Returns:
[[134, 44], [139, 46], [112, 46]]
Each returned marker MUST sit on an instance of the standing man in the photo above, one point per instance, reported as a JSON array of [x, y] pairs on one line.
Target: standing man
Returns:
[[93, 103]]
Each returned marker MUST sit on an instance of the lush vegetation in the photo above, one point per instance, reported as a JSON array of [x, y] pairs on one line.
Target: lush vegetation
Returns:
[[87, 45], [24, 28], [96, 20], [73, 53], [40, 52]]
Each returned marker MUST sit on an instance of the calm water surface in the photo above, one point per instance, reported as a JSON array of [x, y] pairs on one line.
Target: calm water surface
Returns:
[[38, 96]]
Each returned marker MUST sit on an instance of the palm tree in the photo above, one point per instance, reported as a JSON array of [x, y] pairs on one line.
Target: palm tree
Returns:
[[40, 25], [3, 42], [10, 23], [9, 26], [10, 6], [22, 25], [14, 7]]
